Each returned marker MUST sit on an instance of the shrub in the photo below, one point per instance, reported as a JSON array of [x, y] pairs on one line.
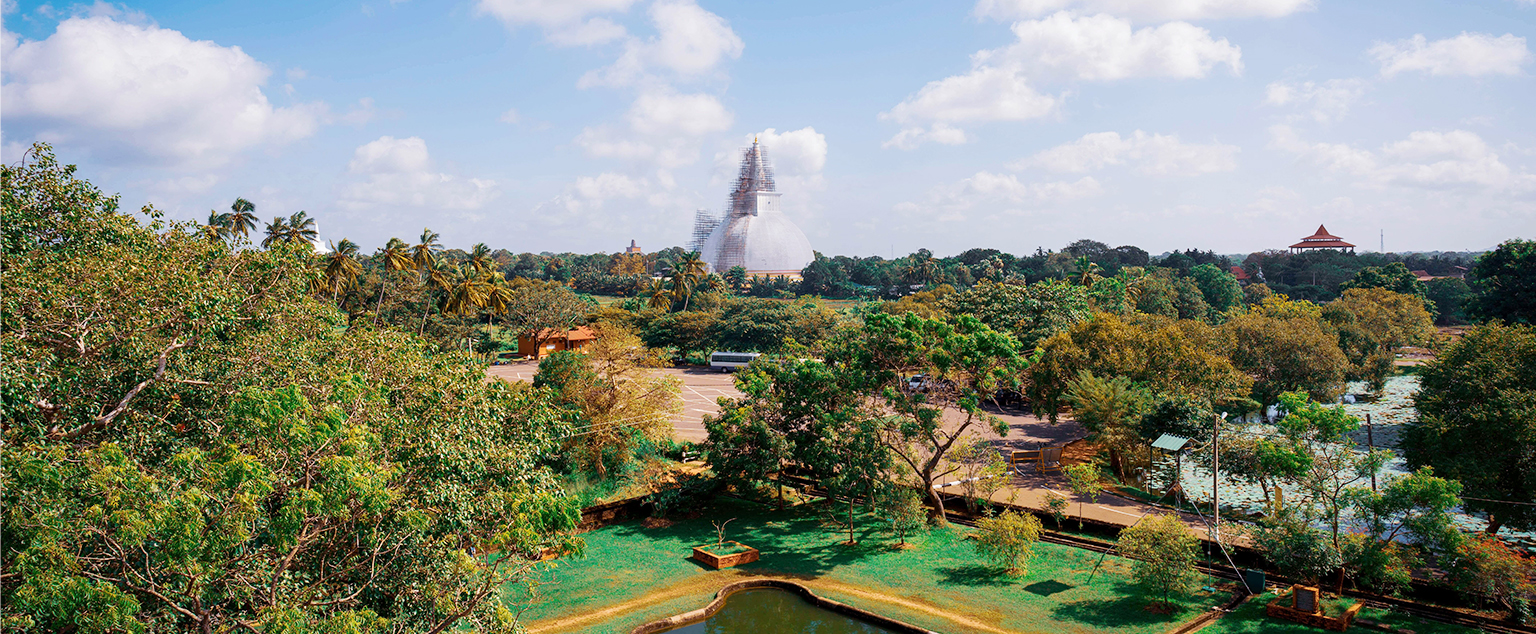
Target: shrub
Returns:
[[1008, 540], [1164, 551]]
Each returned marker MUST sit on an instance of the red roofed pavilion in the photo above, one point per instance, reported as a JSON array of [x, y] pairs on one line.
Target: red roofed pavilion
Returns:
[[1322, 240]]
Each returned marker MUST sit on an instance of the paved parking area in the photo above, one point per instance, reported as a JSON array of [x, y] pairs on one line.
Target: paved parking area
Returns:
[[700, 389]]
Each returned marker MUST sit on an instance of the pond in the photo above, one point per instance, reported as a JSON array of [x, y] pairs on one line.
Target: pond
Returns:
[[775, 611]]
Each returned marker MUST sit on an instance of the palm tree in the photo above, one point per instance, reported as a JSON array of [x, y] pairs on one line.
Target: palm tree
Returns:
[[685, 274], [242, 217], [437, 276], [397, 257], [302, 228], [480, 258], [712, 283], [660, 296], [218, 227], [424, 254], [467, 292], [1086, 271], [277, 231], [341, 267], [498, 297]]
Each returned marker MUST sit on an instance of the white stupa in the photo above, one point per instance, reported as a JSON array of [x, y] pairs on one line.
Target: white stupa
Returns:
[[755, 234]]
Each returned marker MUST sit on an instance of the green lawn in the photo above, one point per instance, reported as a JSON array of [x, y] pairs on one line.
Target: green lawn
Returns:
[[639, 574], [1249, 618]]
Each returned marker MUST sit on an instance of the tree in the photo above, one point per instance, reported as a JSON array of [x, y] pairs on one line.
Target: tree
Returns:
[[1164, 551], [1056, 504], [1486, 568], [1419, 506], [981, 469], [301, 228], [277, 232], [480, 258], [1394, 277], [1477, 421], [468, 291], [1008, 540], [744, 448], [1450, 296], [1297, 549], [1284, 347], [202, 449], [396, 257], [737, 278], [1372, 324], [1086, 481], [903, 508], [341, 267], [1505, 283], [685, 275], [542, 311], [967, 363], [242, 217], [1220, 288], [619, 399], [1110, 409], [1031, 313]]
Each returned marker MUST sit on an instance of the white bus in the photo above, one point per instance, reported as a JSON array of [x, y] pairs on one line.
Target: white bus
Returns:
[[727, 361]]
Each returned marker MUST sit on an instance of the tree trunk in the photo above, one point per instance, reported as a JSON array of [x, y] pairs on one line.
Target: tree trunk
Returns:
[[938, 504], [850, 519]]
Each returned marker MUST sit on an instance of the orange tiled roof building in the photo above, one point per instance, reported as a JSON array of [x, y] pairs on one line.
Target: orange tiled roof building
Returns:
[[1322, 240]]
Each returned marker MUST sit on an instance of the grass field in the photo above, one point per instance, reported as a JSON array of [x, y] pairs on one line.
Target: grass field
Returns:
[[632, 574], [1249, 618]]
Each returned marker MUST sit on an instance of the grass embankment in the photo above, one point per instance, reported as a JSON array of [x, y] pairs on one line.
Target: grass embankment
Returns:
[[1249, 618], [632, 575]]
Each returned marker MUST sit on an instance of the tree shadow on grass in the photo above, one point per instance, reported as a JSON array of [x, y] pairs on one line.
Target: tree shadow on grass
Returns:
[[974, 575], [1128, 610], [1048, 587]]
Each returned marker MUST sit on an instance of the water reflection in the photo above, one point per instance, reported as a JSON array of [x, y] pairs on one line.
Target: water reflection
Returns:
[[774, 611]]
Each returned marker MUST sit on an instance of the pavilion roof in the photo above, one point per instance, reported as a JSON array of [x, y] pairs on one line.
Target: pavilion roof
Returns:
[[1322, 240]]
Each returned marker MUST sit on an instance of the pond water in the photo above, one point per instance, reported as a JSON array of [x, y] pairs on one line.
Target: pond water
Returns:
[[775, 611]]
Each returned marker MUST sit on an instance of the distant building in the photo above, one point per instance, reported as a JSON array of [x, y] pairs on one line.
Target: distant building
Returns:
[[755, 234], [572, 339], [1322, 240], [1242, 276], [632, 249]]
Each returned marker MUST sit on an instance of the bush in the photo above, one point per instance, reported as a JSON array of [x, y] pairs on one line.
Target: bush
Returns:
[[1487, 569], [693, 490], [1008, 540]]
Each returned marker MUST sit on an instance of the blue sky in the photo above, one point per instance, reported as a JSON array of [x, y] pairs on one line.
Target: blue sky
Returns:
[[578, 125]]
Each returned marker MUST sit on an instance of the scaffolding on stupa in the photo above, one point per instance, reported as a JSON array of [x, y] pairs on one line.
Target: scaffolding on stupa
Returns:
[[756, 175], [704, 223]]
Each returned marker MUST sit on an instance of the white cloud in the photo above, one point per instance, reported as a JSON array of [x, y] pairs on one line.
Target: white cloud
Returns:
[[1151, 154], [1434, 160], [1144, 10], [1104, 48], [399, 173], [360, 114], [798, 157], [689, 42], [565, 22], [510, 116], [1470, 54], [1324, 103], [134, 92], [664, 130], [949, 203], [986, 93]]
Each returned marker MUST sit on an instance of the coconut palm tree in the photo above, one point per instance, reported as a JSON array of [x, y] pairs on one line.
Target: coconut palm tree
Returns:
[[242, 217], [661, 296], [341, 267], [218, 227], [480, 258], [686, 274], [277, 232], [438, 277], [467, 291], [498, 296], [301, 228], [397, 257], [424, 254]]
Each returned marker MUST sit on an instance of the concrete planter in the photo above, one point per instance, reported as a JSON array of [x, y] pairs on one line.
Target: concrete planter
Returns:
[[703, 555]]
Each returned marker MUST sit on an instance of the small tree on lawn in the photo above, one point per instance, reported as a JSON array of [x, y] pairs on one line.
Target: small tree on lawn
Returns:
[[903, 508], [1164, 551], [1056, 504], [1300, 551], [1008, 540], [1086, 482]]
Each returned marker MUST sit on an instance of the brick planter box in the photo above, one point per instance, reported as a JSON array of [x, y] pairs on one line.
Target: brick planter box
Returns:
[[1279, 609], [746, 556]]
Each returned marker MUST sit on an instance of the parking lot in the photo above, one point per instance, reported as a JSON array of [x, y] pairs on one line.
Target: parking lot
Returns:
[[700, 389]]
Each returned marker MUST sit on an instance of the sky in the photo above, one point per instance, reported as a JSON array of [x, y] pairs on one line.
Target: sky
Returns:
[[579, 125]]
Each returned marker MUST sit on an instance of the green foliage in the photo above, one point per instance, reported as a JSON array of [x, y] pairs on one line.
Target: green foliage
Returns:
[[1394, 277], [1056, 504], [1175, 414], [1297, 549], [193, 444], [1450, 295], [1008, 540], [1505, 282], [1164, 551], [1086, 481], [1285, 347], [903, 508], [1031, 313], [1477, 420], [1219, 288], [692, 491]]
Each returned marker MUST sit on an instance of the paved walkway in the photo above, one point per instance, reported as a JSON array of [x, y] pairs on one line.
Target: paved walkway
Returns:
[[700, 389]]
